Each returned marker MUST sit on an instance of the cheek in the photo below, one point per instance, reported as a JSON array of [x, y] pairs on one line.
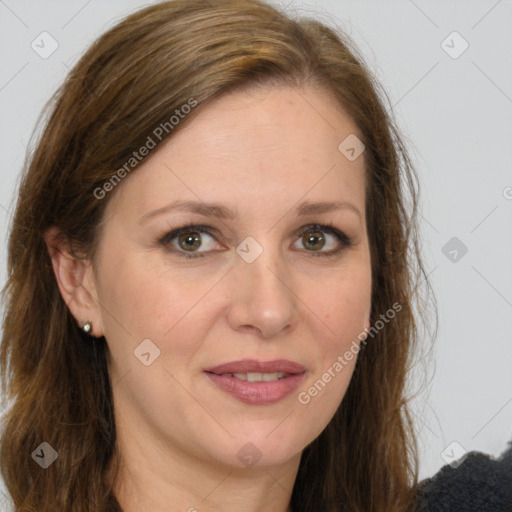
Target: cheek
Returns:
[[343, 304], [151, 301], [147, 302]]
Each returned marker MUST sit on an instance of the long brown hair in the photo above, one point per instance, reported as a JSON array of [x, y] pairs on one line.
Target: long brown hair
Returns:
[[132, 79]]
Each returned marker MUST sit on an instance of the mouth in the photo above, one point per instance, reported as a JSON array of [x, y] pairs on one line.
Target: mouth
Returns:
[[256, 377], [256, 382]]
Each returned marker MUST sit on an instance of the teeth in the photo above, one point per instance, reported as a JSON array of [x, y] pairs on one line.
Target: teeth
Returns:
[[260, 377]]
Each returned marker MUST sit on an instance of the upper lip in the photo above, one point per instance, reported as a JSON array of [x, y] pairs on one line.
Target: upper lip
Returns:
[[254, 366]]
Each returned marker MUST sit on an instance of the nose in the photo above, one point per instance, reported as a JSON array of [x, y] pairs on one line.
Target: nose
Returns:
[[262, 296]]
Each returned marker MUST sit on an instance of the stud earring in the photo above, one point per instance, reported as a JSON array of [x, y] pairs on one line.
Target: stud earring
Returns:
[[87, 328]]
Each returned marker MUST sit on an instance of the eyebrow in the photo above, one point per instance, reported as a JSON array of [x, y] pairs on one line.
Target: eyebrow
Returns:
[[223, 212]]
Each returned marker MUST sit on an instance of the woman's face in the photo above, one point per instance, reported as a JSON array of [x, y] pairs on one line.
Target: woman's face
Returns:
[[269, 283]]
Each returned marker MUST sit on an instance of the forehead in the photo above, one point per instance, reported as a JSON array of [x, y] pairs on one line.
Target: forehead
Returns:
[[260, 145], [272, 117]]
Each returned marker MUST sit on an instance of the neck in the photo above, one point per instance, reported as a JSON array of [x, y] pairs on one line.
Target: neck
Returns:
[[192, 484]]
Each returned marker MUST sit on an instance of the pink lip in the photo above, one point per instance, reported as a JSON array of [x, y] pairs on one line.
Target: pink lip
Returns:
[[257, 393]]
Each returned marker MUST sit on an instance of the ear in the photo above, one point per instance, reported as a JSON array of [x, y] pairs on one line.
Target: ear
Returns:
[[76, 281]]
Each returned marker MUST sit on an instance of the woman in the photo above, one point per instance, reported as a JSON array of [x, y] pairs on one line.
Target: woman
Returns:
[[210, 294]]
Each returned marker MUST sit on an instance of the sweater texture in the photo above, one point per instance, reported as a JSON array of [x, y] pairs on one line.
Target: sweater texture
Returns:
[[479, 484]]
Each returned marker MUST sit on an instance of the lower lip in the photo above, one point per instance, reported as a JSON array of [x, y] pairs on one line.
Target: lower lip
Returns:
[[257, 393]]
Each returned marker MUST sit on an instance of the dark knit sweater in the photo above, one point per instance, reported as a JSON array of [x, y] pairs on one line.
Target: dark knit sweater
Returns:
[[479, 484]]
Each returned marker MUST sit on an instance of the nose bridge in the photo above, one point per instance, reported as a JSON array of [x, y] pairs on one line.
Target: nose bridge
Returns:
[[262, 296]]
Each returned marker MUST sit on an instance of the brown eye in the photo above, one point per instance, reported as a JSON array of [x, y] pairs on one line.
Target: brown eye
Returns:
[[313, 240], [322, 240], [190, 241]]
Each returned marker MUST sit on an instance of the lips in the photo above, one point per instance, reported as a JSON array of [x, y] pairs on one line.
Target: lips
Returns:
[[257, 382], [254, 366]]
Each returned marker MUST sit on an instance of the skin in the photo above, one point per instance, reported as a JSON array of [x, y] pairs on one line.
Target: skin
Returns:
[[261, 152]]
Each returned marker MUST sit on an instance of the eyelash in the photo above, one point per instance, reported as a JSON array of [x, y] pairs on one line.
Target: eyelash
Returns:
[[344, 239]]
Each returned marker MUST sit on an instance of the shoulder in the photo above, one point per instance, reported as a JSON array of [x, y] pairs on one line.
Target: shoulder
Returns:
[[478, 483]]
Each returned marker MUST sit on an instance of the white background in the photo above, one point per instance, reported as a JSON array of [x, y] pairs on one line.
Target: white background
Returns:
[[456, 117]]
